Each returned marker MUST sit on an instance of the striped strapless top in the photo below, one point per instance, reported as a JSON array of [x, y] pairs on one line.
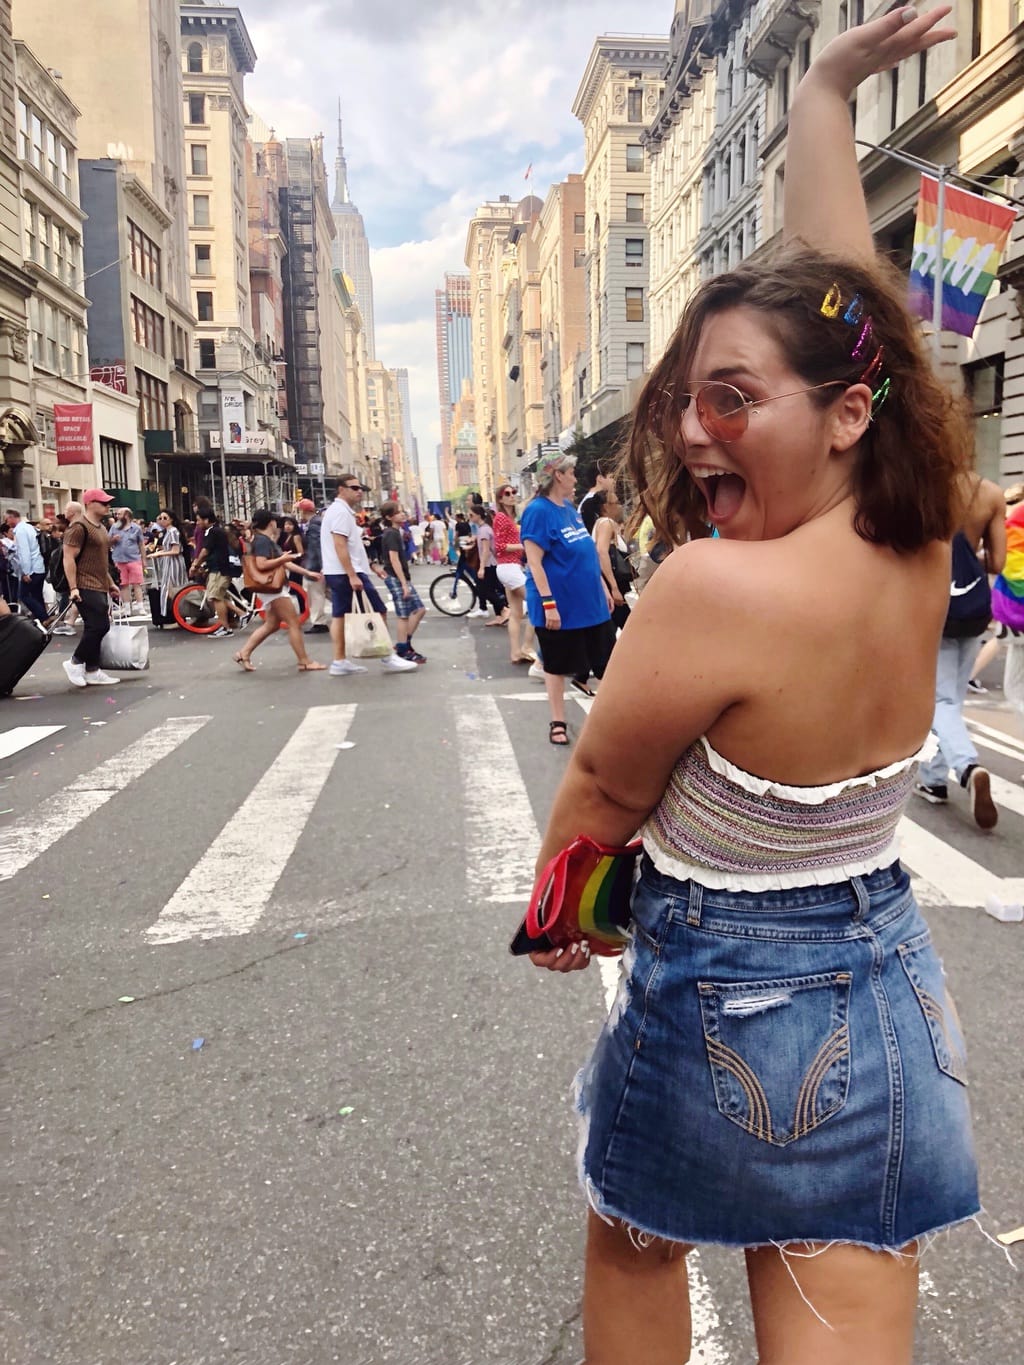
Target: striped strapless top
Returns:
[[729, 830]]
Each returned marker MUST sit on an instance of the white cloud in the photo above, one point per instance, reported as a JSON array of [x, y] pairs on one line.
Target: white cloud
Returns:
[[444, 106]]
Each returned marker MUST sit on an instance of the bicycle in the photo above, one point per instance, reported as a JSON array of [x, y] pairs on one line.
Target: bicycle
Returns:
[[195, 613], [452, 593]]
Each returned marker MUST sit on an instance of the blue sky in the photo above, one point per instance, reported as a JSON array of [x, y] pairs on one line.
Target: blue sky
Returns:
[[445, 104]]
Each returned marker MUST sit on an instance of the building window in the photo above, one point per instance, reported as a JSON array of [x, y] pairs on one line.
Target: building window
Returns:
[[579, 223], [200, 210], [208, 405], [635, 106], [144, 255], [197, 108], [784, 92], [805, 56], [634, 208], [207, 353], [634, 359], [197, 152], [24, 131], [204, 264], [634, 305], [204, 305], [634, 251], [634, 157], [579, 257], [894, 97], [147, 327], [113, 463], [195, 57], [152, 395], [922, 78]]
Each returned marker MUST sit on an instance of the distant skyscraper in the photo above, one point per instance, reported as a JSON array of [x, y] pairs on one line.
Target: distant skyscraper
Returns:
[[453, 308], [351, 250]]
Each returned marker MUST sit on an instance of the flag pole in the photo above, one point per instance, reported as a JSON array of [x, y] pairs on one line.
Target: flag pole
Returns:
[[940, 261]]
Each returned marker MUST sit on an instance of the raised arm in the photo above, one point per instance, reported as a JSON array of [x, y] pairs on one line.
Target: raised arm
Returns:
[[824, 198]]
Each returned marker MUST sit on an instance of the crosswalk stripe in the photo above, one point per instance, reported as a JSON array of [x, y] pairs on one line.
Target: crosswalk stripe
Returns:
[[502, 838], [229, 887], [21, 736], [997, 747], [32, 835], [1007, 795], [1015, 747], [958, 878]]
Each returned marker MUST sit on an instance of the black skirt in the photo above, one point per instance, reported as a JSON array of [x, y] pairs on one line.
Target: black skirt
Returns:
[[577, 653]]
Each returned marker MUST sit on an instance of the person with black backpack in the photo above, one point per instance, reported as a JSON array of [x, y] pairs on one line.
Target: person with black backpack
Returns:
[[970, 609]]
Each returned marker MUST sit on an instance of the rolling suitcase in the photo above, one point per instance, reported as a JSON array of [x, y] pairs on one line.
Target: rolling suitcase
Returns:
[[21, 643]]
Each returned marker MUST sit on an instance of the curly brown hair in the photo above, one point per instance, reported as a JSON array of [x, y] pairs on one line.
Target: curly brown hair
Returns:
[[908, 462]]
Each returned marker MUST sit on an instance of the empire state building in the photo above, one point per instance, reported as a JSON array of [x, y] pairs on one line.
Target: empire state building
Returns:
[[350, 251]]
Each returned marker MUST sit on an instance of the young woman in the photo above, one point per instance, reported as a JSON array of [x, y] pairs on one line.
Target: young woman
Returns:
[[279, 609], [489, 591], [783, 1070], [568, 603], [508, 553], [169, 560], [612, 551]]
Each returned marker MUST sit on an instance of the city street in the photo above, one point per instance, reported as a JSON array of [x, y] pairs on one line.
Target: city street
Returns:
[[281, 1096]]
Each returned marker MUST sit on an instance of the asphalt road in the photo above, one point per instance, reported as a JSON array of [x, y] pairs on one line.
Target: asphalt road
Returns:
[[370, 1156]]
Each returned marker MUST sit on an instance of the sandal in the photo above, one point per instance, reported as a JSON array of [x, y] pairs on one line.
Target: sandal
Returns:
[[312, 667], [558, 734], [582, 687], [244, 662], [525, 659]]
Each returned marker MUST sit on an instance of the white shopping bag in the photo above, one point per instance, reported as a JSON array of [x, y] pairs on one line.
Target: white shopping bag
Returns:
[[366, 636], [125, 647]]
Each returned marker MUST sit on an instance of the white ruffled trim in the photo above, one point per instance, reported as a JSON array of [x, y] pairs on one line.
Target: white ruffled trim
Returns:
[[811, 796], [717, 879]]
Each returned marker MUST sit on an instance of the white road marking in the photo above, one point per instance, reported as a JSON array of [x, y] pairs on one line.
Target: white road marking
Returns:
[[13, 741], [27, 838], [957, 878], [997, 747], [502, 837], [229, 887], [1007, 795], [1016, 745]]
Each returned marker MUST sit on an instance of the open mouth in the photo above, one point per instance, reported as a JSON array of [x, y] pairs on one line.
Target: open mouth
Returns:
[[723, 490]]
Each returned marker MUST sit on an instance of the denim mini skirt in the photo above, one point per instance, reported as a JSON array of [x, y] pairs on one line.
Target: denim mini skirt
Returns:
[[779, 1066]]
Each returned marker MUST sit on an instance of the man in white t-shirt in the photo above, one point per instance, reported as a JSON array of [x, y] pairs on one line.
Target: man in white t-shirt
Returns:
[[347, 571]]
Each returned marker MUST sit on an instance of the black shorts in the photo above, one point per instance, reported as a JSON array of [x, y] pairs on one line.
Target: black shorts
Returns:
[[576, 653]]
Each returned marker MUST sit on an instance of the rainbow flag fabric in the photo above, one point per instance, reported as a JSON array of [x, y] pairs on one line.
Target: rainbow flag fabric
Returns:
[[1008, 589], [974, 236]]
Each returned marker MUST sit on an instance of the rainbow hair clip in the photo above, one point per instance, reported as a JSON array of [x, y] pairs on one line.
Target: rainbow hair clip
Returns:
[[853, 315]]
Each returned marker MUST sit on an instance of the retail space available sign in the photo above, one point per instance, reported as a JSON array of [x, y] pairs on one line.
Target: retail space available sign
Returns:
[[73, 424], [232, 423]]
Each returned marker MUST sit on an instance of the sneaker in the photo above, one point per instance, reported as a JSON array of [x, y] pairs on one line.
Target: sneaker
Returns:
[[340, 668], [100, 679], [394, 663], [536, 671], [977, 781], [221, 633], [416, 657], [973, 685], [477, 611], [63, 630], [937, 794], [75, 672]]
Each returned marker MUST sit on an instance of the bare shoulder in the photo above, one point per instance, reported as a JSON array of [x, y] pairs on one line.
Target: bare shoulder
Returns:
[[992, 498]]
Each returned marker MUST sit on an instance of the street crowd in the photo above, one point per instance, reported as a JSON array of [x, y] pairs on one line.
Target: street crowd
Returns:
[[796, 474]]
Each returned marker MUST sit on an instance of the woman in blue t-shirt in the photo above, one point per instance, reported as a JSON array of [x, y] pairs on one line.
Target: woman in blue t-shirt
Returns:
[[568, 603]]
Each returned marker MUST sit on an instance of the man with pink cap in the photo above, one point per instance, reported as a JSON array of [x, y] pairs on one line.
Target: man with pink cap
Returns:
[[86, 567], [309, 528]]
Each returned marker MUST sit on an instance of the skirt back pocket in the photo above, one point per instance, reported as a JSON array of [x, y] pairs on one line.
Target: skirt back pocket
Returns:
[[779, 1051]]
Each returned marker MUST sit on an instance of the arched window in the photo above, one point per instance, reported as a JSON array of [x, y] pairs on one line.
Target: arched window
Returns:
[[195, 57]]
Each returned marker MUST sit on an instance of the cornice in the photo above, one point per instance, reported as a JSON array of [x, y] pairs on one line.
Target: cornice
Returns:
[[134, 189], [46, 93]]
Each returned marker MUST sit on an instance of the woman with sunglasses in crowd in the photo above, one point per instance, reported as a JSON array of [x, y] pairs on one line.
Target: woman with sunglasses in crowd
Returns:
[[783, 1070], [508, 554], [169, 561]]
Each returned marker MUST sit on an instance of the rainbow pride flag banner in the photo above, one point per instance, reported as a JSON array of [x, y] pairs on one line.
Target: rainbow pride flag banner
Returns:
[[973, 238]]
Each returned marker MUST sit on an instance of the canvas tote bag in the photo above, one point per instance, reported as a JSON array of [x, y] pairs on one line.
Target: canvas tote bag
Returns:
[[366, 636]]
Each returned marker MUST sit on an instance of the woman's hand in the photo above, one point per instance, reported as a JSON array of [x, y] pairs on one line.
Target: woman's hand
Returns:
[[865, 50], [574, 958]]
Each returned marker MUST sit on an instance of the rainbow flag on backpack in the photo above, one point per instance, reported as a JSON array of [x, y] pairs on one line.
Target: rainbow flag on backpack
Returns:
[[973, 238], [1008, 589]]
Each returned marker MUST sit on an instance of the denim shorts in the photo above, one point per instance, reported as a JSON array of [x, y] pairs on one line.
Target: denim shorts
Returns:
[[341, 594], [781, 1066]]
